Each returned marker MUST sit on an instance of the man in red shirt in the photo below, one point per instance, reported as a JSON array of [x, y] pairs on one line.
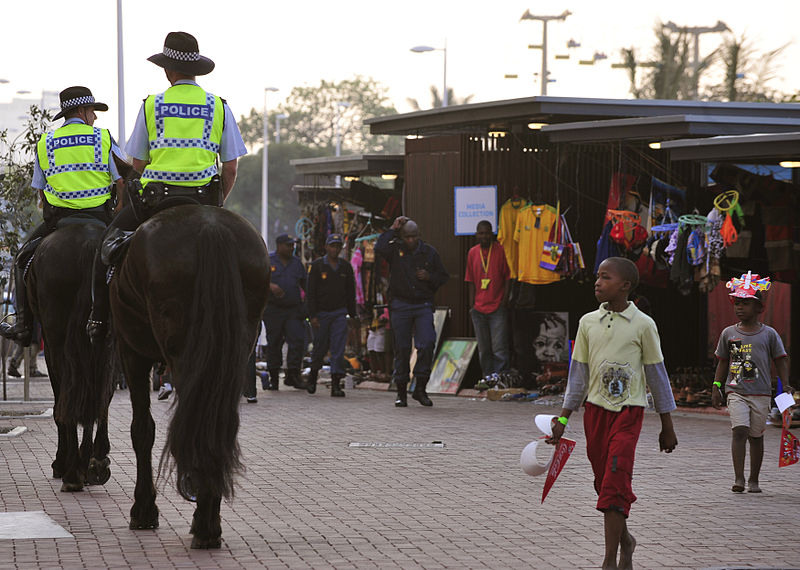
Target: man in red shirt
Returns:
[[488, 277]]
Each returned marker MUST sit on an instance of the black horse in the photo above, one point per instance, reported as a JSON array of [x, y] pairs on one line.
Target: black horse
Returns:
[[190, 293], [59, 285]]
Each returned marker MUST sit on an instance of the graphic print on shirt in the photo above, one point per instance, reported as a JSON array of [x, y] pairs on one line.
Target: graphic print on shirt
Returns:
[[616, 382], [742, 367]]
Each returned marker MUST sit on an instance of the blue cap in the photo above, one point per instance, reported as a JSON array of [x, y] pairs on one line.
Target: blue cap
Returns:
[[285, 238], [334, 238]]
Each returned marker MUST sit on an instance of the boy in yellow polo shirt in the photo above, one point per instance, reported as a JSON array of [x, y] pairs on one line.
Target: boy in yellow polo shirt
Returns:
[[617, 351]]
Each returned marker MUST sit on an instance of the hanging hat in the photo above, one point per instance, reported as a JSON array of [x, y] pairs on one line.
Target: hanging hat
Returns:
[[749, 286], [182, 54], [74, 97]]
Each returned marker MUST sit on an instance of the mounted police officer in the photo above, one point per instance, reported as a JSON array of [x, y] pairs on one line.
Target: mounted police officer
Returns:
[[74, 173], [176, 141]]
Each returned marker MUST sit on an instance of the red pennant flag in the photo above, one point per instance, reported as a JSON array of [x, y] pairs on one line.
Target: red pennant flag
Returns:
[[790, 449], [562, 453]]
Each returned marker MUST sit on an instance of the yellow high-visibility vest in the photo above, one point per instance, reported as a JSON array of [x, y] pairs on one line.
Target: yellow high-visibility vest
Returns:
[[184, 127], [74, 160]]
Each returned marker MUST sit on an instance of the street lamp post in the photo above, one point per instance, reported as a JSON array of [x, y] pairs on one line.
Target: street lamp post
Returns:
[[544, 19], [120, 78], [278, 119], [265, 171], [422, 49]]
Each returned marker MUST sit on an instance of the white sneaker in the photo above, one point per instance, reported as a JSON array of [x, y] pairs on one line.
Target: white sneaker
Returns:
[[165, 391]]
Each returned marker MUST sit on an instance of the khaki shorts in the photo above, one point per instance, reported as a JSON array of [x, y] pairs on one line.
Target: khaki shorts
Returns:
[[750, 411]]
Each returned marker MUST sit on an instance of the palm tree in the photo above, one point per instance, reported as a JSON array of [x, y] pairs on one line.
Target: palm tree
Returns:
[[436, 99]]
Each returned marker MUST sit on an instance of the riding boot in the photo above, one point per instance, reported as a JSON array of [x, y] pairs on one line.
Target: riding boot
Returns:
[[22, 330], [402, 395], [419, 393], [336, 389], [311, 385], [274, 378], [97, 325]]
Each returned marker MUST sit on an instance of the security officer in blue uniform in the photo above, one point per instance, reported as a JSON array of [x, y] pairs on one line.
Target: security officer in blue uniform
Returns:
[[179, 137], [73, 173], [415, 273], [284, 317], [331, 298]]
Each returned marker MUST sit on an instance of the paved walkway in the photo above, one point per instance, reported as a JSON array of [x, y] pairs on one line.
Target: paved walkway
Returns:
[[307, 500]]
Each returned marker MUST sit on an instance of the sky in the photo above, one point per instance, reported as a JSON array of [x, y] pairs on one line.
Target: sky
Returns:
[[50, 44]]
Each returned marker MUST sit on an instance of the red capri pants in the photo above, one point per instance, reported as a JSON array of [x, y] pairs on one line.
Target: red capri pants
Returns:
[[611, 445]]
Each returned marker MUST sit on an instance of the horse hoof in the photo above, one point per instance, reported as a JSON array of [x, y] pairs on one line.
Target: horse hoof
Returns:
[[136, 525], [98, 473], [71, 487], [206, 543], [57, 473]]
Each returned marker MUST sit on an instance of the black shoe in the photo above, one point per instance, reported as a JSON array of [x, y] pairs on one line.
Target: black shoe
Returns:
[[97, 331], [17, 332], [420, 395], [402, 396], [252, 400], [37, 373], [13, 371], [311, 385], [336, 389], [273, 383]]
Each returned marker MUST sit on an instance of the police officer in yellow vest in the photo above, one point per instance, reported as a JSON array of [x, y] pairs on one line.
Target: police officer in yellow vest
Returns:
[[175, 143], [73, 172]]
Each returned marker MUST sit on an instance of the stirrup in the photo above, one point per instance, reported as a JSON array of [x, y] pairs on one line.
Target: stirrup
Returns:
[[96, 330]]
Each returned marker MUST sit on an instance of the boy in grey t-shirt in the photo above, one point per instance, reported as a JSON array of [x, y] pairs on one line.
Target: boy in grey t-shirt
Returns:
[[746, 352]]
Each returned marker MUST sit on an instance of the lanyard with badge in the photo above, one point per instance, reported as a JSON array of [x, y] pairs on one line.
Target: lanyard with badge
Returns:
[[485, 264]]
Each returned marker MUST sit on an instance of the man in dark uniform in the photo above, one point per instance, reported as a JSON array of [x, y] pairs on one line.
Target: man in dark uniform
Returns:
[[284, 317], [331, 297], [416, 272]]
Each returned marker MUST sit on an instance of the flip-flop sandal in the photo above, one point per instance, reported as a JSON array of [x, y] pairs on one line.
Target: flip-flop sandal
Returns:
[[738, 488]]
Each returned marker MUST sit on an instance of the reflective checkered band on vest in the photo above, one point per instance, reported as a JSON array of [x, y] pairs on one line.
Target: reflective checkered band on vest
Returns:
[[179, 176], [50, 146], [184, 143], [208, 121], [181, 55], [77, 194]]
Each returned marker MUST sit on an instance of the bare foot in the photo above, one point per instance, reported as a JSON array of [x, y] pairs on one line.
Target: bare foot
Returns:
[[626, 549], [752, 487]]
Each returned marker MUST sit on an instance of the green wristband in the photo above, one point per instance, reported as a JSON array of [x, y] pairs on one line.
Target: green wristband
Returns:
[[717, 384], [562, 420]]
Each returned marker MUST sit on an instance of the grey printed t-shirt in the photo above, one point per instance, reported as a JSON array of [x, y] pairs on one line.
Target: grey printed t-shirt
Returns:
[[750, 356]]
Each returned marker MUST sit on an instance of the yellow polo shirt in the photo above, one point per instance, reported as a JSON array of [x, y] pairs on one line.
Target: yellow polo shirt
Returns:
[[616, 347]]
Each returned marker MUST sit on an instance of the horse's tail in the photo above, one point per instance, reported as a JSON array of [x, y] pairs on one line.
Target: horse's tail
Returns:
[[210, 371], [86, 372]]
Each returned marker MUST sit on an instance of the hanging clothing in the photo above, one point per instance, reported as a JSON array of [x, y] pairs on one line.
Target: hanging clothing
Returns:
[[356, 260], [505, 232], [532, 230]]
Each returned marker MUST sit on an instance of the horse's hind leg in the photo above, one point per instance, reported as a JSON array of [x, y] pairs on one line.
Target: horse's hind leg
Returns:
[[99, 472], [144, 513], [73, 477], [59, 464], [206, 524], [85, 452]]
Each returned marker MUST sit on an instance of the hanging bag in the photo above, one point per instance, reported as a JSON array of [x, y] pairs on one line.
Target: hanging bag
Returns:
[[553, 248]]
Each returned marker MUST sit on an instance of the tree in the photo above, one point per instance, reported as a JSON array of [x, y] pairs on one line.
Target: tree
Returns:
[[436, 99], [314, 113], [747, 73], [17, 198], [284, 211]]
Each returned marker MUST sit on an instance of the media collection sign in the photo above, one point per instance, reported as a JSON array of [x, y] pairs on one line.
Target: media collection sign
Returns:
[[473, 204]]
